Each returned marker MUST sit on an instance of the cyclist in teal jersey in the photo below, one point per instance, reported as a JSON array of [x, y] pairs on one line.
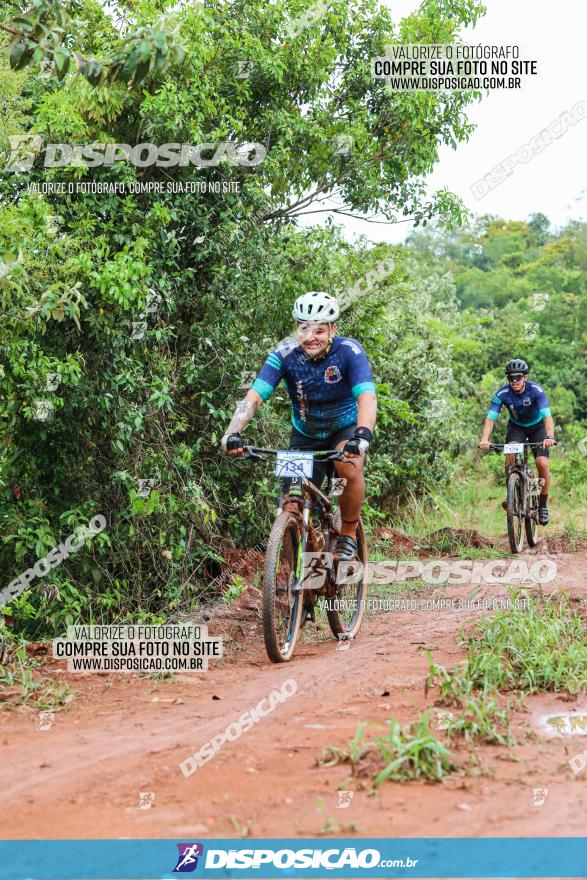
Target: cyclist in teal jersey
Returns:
[[334, 406], [530, 422]]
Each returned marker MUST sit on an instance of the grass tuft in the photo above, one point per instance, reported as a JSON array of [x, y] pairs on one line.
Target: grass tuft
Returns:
[[542, 647], [19, 684], [415, 753]]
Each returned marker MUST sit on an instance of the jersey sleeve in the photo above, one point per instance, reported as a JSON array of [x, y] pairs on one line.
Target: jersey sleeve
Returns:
[[270, 375], [494, 408], [359, 372], [542, 402]]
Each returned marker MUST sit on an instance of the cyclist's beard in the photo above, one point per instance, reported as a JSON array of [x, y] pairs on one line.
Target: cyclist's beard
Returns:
[[317, 356], [319, 353]]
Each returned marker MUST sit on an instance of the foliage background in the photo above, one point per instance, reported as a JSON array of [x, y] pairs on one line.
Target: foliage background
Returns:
[[78, 271]]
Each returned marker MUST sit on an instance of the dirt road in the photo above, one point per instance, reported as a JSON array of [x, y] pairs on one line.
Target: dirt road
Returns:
[[126, 735]]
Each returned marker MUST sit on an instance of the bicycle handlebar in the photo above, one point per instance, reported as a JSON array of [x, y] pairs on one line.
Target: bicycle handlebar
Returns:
[[256, 453], [496, 446]]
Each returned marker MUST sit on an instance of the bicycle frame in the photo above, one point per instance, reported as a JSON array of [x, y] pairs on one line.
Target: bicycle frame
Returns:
[[308, 495], [521, 467]]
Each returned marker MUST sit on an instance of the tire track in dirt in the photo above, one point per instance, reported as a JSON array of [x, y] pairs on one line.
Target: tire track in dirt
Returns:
[[82, 778]]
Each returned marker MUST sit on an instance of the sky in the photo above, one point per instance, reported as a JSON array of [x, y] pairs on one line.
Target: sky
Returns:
[[554, 181]]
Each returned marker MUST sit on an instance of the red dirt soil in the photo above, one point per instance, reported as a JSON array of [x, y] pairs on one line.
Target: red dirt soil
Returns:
[[123, 735]]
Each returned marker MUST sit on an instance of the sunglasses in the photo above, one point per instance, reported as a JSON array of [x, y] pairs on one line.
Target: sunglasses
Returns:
[[516, 378]]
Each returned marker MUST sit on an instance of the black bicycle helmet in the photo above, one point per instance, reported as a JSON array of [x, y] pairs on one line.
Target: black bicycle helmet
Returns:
[[517, 365]]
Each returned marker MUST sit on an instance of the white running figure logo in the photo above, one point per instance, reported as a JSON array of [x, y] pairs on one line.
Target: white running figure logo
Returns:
[[189, 855]]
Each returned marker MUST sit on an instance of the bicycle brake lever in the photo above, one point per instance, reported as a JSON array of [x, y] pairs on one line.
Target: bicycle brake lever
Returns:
[[342, 458], [247, 454]]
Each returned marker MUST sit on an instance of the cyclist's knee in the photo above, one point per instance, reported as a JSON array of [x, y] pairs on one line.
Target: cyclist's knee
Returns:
[[350, 471]]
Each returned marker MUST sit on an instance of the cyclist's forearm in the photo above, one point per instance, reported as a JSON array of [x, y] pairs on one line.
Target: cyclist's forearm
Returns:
[[244, 412], [549, 425], [367, 410], [487, 429]]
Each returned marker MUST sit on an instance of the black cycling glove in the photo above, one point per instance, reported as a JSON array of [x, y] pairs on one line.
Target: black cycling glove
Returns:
[[232, 442], [359, 443]]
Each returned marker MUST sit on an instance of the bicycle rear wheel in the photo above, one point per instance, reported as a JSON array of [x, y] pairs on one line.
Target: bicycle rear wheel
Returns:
[[282, 602], [346, 608], [515, 513]]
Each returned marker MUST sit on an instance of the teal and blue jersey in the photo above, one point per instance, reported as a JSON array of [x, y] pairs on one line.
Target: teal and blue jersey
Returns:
[[323, 393], [526, 408]]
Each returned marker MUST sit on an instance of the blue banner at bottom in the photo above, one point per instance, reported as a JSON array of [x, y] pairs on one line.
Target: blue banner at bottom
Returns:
[[292, 857]]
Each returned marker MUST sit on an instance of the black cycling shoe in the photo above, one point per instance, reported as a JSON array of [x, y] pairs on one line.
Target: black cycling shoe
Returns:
[[346, 548], [307, 613], [543, 516]]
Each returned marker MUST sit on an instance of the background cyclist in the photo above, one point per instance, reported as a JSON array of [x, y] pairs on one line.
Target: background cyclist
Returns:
[[530, 422], [330, 385]]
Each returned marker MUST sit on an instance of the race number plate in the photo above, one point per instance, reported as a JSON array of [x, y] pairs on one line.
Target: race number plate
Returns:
[[294, 464], [512, 448]]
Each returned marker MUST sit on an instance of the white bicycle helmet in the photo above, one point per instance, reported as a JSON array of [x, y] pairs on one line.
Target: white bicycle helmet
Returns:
[[316, 306]]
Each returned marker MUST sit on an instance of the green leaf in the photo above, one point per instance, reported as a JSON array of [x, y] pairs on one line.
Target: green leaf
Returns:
[[141, 71], [61, 64], [129, 66], [16, 54], [144, 51], [21, 55], [160, 62], [92, 71], [161, 41]]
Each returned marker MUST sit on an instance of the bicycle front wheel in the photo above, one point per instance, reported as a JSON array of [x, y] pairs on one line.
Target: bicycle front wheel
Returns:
[[530, 520], [515, 513], [282, 602]]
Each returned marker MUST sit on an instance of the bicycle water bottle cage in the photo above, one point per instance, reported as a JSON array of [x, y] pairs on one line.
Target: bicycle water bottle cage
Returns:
[[295, 487]]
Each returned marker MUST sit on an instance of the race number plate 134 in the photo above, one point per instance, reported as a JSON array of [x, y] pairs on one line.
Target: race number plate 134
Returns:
[[294, 464]]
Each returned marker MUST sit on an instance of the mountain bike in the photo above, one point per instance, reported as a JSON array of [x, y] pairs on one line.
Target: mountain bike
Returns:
[[523, 491], [300, 565]]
